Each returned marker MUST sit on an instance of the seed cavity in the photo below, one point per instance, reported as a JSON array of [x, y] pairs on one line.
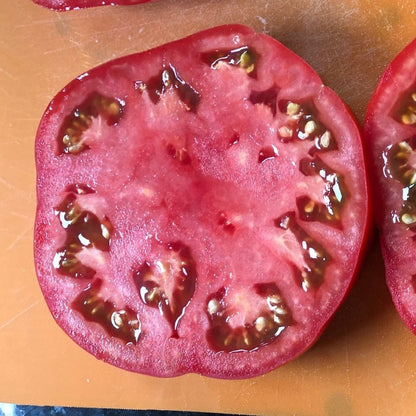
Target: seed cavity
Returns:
[[168, 79], [83, 230], [121, 323], [70, 136], [267, 152], [406, 112], [303, 124], [315, 257], [272, 318], [266, 98], [334, 194], [399, 165], [244, 58], [168, 283], [66, 263]]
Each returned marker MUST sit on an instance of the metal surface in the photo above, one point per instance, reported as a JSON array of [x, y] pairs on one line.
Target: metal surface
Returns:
[[364, 364]]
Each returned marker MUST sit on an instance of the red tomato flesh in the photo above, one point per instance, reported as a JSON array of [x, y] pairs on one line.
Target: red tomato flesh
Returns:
[[390, 132], [202, 206], [65, 5]]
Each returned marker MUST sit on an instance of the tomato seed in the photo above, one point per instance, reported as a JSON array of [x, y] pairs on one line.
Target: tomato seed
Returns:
[[409, 117], [324, 141], [293, 109], [285, 132], [408, 219], [213, 306], [260, 323], [310, 127]]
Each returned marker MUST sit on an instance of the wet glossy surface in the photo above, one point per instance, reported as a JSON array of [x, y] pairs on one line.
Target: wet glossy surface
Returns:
[[167, 79], [271, 313], [119, 322], [242, 57], [333, 197], [316, 258], [70, 138], [174, 269], [83, 230]]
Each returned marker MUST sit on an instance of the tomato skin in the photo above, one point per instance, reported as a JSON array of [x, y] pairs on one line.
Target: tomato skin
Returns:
[[388, 127], [65, 5], [167, 265]]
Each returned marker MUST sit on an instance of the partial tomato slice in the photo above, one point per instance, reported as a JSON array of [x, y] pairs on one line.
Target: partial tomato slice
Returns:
[[202, 206], [65, 5], [390, 132]]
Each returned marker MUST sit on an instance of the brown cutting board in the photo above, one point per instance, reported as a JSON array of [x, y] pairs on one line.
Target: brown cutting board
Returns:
[[365, 362]]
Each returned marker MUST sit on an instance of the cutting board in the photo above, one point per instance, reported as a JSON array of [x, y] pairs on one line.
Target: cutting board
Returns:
[[364, 363]]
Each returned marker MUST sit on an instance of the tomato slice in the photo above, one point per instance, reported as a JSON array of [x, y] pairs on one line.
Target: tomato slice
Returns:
[[65, 5], [202, 206], [390, 131]]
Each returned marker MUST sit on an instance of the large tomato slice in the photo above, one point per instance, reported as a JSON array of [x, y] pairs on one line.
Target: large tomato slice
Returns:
[[64, 5], [201, 206], [390, 130]]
